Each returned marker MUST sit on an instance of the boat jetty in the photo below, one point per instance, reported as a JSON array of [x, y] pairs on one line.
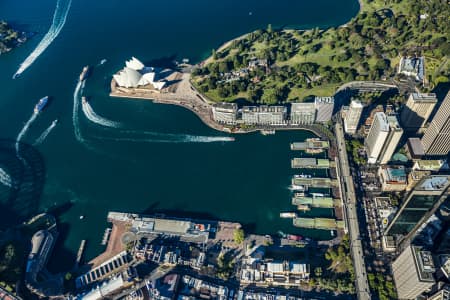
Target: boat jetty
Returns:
[[318, 223], [313, 182], [316, 202], [310, 163], [312, 146]]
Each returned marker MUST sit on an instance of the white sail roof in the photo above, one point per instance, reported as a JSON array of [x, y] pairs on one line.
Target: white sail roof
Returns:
[[134, 64], [136, 74]]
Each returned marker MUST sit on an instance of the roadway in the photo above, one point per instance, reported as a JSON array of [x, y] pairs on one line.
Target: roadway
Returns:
[[349, 200]]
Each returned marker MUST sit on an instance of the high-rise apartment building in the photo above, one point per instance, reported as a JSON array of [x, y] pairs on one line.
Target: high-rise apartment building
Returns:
[[417, 110], [352, 117], [436, 140], [377, 136], [392, 140]]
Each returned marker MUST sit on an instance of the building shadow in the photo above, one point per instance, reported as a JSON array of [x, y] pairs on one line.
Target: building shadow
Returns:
[[22, 182]]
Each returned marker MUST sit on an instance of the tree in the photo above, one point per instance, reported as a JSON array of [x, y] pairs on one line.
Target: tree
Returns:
[[239, 236], [269, 96]]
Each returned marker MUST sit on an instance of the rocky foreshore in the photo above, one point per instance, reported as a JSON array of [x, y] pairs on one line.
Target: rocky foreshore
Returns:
[[10, 38]]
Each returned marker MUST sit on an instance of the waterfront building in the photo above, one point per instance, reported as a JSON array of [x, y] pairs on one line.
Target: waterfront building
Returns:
[[324, 109], [136, 74], [376, 137], [303, 113], [392, 178], [392, 140], [101, 291], [418, 206], [352, 117], [225, 113], [417, 110], [264, 115], [436, 140], [413, 272], [413, 67]]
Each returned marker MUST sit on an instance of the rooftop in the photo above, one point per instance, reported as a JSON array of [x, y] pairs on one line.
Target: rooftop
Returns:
[[394, 173], [426, 97], [424, 263], [434, 183]]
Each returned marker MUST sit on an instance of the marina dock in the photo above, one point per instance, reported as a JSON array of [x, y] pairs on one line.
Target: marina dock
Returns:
[[311, 146], [314, 182], [310, 163], [318, 223], [319, 202], [80, 253]]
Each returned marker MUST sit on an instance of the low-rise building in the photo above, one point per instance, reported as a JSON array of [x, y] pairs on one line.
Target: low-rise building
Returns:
[[303, 113], [415, 176], [392, 178], [412, 66], [385, 210], [264, 115], [324, 107], [225, 113], [434, 165]]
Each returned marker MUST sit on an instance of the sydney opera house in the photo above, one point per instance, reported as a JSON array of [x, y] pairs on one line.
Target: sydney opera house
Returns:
[[136, 74]]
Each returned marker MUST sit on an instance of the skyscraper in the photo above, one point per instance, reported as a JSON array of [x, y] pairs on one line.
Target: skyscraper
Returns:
[[417, 111], [436, 140], [418, 206], [377, 136], [392, 140], [351, 120], [413, 272]]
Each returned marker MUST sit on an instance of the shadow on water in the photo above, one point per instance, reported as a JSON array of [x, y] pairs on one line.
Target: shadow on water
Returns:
[[21, 191], [163, 62]]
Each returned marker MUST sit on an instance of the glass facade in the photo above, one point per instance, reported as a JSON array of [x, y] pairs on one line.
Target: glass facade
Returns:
[[412, 213]]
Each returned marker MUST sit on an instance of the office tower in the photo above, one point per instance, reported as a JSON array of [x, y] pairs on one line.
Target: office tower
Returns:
[[442, 294], [351, 120], [436, 140], [417, 111], [324, 107], [377, 136], [413, 272], [392, 140], [419, 205]]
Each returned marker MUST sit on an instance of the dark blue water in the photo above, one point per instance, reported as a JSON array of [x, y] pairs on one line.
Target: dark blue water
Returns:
[[244, 181]]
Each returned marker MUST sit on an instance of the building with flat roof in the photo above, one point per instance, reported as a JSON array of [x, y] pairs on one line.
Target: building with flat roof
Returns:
[[417, 110], [415, 176], [413, 272], [434, 165], [392, 140], [264, 115], [392, 178], [436, 140], [377, 136], [303, 113], [415, 149], [324, 108], [418, 206], [225, 113], [352, 116]]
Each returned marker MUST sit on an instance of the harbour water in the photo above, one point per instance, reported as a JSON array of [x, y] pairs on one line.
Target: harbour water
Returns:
[[85, 169]]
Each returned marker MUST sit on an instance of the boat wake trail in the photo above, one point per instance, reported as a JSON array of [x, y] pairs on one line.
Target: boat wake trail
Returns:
[[102, 62], [5, 179], [59, 19], [76, 104], [25, 129], [154, 137], [93, 117], [44, 135]]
